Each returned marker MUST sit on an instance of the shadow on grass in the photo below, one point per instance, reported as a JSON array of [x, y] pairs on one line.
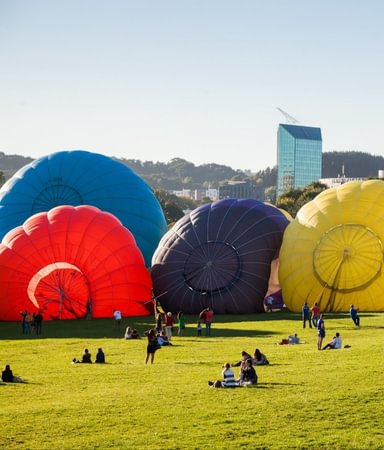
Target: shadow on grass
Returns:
[[223, 326]]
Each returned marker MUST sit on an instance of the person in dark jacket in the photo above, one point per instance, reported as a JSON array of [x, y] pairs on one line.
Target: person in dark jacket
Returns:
[[100, 357], [248, 376], [8, 377]]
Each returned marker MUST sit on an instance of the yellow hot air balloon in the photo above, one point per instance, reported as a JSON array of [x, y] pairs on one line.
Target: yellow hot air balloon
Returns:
[[332, 253]]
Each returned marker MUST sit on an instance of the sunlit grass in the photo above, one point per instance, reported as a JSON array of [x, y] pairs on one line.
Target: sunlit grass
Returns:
[[305, 398]]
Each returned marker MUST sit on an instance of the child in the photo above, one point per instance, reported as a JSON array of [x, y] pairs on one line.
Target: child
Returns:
[[199, 328]]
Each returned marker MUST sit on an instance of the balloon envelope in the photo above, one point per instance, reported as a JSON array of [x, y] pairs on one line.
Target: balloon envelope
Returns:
[[83, 178], [220, 256], [332, 253], [71, 262]]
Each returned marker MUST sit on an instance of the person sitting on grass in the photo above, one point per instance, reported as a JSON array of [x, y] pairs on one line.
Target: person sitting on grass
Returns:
[[8, 377], [335, 343], [248, 376], [292, 339], [128, 333], [259, 359], [244, 357], [100, 357], [86, 358], [135, 334], [228, 378], [162, 339]]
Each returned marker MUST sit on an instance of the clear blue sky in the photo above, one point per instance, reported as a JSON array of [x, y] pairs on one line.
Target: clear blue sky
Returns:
[[194, 79]]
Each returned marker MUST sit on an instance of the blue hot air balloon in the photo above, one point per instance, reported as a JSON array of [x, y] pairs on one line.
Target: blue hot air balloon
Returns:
[[83, 178], [219, 256]]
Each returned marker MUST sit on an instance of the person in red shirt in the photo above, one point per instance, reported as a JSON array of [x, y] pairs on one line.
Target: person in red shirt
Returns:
[[168, 325], [208, 321], [315, 310]]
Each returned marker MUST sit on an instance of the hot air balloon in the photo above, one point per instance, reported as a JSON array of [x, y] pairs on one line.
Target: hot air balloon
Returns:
[[219, 256], [332, 253], [83, 178], [72, 262]]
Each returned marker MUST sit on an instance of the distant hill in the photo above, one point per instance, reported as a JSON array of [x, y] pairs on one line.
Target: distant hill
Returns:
[[179, 173], [356, 164], [10, 164]]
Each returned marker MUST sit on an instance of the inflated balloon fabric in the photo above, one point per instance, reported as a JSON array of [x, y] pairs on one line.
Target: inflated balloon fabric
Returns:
[[73, 262], [219, 256], [332, 253], [83, 178]]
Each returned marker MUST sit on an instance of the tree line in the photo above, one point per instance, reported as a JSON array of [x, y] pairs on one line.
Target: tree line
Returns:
[[180, 174]]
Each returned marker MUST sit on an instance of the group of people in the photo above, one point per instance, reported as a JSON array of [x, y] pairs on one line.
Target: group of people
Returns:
[[155, 340], [87, 357], [247, 375], [31, 323], [310, 315], [315, 318], [131, 333], [165, 322], [206, 317]]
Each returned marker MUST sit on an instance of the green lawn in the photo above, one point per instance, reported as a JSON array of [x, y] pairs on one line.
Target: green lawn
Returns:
[[305, 398]]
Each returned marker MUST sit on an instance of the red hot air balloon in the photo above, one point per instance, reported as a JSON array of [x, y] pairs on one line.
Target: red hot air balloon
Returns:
[[71, 262]]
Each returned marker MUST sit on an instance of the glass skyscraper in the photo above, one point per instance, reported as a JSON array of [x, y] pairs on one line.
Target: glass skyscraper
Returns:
[[299, 152]]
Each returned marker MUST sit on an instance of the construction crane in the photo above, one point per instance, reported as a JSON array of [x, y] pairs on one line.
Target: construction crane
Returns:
[[288, 118]]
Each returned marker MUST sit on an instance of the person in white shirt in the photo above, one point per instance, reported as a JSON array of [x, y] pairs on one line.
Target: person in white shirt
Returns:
[[228, 378], [335, 343], [117, 315]]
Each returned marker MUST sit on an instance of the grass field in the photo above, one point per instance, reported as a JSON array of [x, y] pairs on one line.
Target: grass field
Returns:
[[305, 398]]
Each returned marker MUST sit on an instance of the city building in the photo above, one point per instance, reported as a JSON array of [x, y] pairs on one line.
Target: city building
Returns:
[[183, 193], [241, 189], [336, 182], [299, 156], [342, 178]]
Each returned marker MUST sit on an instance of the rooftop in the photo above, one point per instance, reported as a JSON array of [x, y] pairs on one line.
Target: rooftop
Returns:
[[301, 132]]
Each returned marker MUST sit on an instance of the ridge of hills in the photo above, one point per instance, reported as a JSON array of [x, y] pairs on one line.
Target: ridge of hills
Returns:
[[179, 173]]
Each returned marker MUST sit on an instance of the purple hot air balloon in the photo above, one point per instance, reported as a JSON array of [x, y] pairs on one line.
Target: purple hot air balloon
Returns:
[[219, 256]]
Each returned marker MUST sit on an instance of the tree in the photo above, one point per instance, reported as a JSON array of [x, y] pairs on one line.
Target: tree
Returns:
[[205, 200], [171, 210], [2, 178], [294, 199]]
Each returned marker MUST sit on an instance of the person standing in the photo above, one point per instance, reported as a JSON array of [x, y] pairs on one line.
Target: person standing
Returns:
[[320, 331], [181, 323], [152, 346], [354, 313], [159, 322], [28, 322], [118, 316], [38, 322], [315, 313], [306, 315], [169, 325], [269, 302], [208, 321], [23, 326]]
